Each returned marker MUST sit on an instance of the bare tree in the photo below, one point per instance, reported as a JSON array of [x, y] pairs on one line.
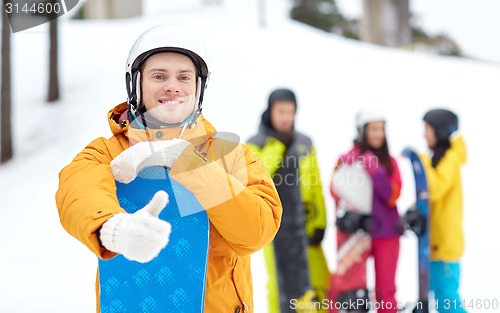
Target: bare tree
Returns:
[[386, 22], [212, 2], [111, 9], [53, 93], [5, 121], [51, 17], [262, 12]]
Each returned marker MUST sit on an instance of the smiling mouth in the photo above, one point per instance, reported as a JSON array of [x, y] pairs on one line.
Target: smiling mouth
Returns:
[[170, 102]]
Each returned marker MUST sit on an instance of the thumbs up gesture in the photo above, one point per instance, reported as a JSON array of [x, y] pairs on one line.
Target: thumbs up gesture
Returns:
[[139, 236]]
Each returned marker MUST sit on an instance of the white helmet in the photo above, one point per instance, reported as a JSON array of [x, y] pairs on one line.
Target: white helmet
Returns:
[[366, 116], [164, 39]]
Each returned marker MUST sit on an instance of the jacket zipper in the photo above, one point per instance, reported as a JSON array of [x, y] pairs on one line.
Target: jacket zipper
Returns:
[[245, 306]]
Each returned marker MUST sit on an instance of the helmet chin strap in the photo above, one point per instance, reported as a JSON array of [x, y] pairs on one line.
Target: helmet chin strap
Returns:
[[191, 120]]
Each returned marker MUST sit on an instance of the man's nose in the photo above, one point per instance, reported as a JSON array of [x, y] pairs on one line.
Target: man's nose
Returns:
[[171, 85]]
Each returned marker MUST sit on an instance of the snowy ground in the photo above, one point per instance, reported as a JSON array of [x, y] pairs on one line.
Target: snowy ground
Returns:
[[43, 269]]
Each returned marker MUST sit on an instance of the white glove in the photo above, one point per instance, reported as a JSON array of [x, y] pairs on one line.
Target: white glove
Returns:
[[139, 236], [146, 153]]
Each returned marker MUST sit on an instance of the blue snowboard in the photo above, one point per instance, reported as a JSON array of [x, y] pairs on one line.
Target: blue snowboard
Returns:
[[175, 280], [422, 205]]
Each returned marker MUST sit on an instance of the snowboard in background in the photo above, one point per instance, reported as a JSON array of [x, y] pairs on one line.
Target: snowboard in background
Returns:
[[354, 188], [175, 280], [418, 221]]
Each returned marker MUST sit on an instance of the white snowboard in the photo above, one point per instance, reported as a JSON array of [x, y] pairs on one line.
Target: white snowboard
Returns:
[[353, 185]]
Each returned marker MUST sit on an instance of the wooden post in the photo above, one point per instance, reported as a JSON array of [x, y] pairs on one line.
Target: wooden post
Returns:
[[5, 102], [53, 93], [262, 12], [112, 9]]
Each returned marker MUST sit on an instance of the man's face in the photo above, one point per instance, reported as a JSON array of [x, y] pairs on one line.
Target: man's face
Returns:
[[283, 115], [169, 87]]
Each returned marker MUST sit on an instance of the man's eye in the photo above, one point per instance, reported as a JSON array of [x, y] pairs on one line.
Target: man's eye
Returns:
[[184, 78], [158, 76]]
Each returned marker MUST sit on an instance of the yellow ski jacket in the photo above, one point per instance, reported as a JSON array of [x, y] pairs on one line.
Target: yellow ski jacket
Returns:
[[272, 154], [446, 203]]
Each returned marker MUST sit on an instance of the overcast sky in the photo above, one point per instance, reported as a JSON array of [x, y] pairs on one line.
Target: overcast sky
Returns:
[[474, 24]]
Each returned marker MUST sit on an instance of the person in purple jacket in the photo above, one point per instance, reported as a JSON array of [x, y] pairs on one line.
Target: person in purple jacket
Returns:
[[349, 284]]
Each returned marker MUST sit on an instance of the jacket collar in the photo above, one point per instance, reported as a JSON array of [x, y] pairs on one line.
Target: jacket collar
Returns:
[[120, 124]]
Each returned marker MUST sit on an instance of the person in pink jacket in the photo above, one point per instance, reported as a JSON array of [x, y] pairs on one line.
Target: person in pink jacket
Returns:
[[382, 243]]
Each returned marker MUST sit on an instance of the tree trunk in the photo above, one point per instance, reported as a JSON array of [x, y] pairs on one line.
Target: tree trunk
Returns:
[[386, 22], [262, 12], [111, 9], [5, 104], [53, 94]]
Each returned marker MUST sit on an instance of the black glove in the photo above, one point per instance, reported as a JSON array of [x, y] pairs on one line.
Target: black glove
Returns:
[[414, 221], [317, 237], [350, 222], [285, 137]]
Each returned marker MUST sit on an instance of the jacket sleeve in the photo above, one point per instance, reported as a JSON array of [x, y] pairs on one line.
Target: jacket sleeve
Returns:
[[271, 154], [396, 183], [238, 194], [386, 187], [442, 178], [382, 188], [86, 197], [312, 192]]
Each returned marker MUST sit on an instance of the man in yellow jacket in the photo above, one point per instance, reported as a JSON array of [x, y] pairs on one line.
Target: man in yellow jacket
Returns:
[[161, 124], [298, 271], [442, 169]]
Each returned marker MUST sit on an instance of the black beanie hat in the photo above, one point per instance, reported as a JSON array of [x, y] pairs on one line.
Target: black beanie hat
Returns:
[[281, 94], [443, 121]]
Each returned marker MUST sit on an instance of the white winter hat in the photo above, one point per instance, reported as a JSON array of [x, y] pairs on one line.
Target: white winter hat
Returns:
[[366, 116]]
